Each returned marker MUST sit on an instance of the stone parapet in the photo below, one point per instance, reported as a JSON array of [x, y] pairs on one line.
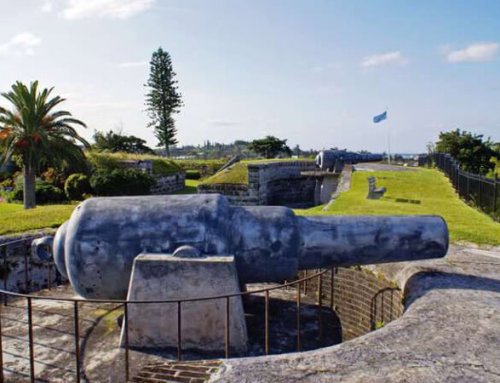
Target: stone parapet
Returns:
[[169, 184], [270, 183]]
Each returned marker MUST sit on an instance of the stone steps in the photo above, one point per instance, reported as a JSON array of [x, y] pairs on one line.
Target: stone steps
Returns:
[[177, 372]]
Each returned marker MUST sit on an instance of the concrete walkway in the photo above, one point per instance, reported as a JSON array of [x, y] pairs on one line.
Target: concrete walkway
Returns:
[[450, 332]]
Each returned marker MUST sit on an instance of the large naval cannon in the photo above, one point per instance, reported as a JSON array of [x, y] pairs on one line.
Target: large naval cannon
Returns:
[[96, 248], [334, 160]]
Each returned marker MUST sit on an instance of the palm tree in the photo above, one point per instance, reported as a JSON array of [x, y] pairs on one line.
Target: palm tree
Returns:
[[37, 134]]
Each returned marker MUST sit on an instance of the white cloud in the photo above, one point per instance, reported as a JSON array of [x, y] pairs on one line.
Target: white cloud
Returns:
[[116, 9], [479, 52], [21, 44], [381, 59], [133, 64], [47, 6]]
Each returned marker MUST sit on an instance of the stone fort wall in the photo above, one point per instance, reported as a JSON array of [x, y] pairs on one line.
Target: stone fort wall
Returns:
[[272, 183], [362, 300], [169, 184], [20, 271]]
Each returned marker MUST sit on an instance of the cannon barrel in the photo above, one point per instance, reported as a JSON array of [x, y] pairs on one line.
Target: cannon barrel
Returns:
[[98, 244], [335, 159]]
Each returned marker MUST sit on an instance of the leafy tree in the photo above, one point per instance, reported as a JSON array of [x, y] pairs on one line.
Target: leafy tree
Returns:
[[470, 150], [163, 99], [296, 150], [37, 134], [117, 142], [270, 147]]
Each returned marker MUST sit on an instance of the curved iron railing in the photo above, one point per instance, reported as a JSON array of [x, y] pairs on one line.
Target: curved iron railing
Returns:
[[299, 284]]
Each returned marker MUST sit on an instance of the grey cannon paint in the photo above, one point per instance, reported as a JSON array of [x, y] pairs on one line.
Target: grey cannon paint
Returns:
[[269, 243]]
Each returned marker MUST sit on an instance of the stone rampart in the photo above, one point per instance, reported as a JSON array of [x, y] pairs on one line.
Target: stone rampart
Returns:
[[22, 272], [271, 183], [169, 184], [362, 300]]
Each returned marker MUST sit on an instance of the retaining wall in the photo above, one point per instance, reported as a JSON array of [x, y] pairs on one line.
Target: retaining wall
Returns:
[[20, 271], [273, 183], [362, 300], [169, 184]]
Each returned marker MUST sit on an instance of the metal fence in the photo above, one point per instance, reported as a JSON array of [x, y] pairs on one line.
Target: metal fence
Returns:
[[298, 285], [476, 189]]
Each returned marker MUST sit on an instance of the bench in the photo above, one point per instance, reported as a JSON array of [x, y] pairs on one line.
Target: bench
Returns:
[[373, 191]]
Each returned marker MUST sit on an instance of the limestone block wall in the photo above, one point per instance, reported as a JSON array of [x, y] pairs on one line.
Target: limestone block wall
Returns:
[[273, 183], [169, 184], [362, 300], [236, 194], [19, 271], [280, 183]]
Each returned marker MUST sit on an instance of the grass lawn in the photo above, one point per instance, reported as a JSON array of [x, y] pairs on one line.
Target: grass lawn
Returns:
[[14, 219], [430, 192]]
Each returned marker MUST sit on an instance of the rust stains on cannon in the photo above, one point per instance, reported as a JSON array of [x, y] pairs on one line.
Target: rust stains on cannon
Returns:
[[97, 246]]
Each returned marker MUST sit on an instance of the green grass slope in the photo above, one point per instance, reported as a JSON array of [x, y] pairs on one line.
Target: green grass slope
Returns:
[[415, 192], [14, 219], [238, 173]]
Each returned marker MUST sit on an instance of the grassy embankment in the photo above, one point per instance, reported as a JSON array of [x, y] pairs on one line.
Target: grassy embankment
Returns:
[[416, 192], [412, 192], [14, 219], [238, 173]]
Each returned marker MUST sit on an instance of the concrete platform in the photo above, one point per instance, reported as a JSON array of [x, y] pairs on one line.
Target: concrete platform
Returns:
[[203, 323]]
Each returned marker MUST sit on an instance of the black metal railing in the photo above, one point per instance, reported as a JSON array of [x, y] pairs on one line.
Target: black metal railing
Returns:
[[475, 189], [299, 284]]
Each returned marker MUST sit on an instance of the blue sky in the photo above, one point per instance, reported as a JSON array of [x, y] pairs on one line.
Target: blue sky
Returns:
[[314, 72]]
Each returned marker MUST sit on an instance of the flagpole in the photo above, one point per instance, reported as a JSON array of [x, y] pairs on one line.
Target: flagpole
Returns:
[[388, 139]]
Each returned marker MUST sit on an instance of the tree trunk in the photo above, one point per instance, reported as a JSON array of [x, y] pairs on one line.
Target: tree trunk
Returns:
[[168, 150], [29, 187]]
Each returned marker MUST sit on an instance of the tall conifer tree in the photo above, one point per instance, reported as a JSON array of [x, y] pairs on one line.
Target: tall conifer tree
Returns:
[[163, 99]]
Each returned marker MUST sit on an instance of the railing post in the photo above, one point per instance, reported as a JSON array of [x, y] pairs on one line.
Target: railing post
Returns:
[[305, 282], [30, 340], [76, 318], [495, 180], [479, 198], [299, 287], [468, 186], [320, 304], [332, 289], [227, 332], [266, 318], [125, 323], [1, 348], [179, 329], [6, 274]]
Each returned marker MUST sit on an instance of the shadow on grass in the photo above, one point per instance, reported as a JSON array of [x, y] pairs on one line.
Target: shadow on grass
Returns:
[[187, 190]]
